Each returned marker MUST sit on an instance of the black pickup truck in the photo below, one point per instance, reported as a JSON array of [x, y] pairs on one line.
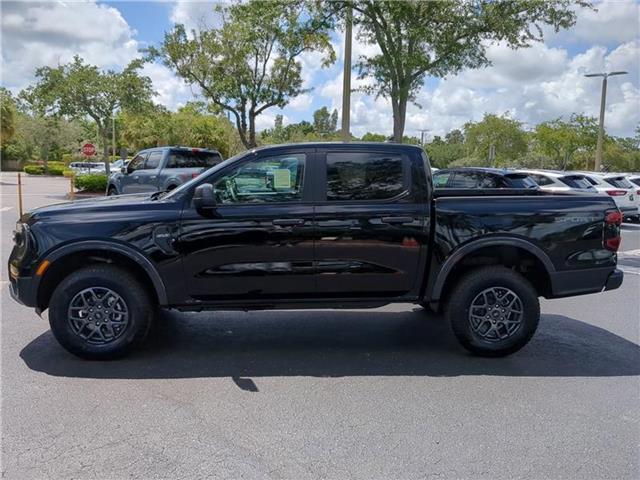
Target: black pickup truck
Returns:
[[323, 225]]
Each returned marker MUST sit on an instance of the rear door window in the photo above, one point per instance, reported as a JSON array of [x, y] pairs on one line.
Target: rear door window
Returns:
[[464, 180], [440, 179], [575, 181], [541, 179], [193, 159], [364, 176], [520, 180], [619, 182]]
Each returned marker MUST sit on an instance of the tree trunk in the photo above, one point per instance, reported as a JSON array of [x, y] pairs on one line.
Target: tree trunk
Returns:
[[399, 117], [105, 150], [252, 130]]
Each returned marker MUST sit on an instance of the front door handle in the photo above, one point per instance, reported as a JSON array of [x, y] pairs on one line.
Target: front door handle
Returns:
[[288, 222], [397, 220]]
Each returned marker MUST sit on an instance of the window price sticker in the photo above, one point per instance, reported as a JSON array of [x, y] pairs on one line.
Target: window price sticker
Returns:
[[282, 178]]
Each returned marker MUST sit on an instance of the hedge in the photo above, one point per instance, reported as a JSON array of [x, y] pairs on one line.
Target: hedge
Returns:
[[55, 168], [34, 169], [91, 182]]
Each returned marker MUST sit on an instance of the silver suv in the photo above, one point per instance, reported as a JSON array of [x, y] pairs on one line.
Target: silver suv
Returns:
[[160, 169]]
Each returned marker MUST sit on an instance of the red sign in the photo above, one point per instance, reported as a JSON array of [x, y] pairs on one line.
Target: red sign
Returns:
[[89, 149]]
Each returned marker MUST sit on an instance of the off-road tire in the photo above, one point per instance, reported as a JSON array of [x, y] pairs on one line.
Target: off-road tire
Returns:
[[140, 312], [470, 288]]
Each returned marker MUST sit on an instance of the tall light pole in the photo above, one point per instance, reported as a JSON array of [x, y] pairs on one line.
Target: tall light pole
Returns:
[[346, 79], [603, 100]]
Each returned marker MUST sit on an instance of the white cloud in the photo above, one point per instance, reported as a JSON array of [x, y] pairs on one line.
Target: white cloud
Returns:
[[171, 91], [38, 34], [195, 15], [532, 85], [615, 21], [301, 103]]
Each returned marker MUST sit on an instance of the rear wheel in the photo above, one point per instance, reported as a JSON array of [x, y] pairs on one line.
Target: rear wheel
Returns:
[[493, 311], [100, 312]]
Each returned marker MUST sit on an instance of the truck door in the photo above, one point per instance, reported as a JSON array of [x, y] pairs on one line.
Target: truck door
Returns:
[[370, 234], [148, 176], [129, 182], [257, 244]]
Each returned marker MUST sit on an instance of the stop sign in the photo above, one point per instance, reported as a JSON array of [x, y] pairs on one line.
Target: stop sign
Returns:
[[89, 149]]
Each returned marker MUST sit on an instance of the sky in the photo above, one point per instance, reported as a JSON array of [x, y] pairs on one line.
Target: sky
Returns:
[[532, 85]]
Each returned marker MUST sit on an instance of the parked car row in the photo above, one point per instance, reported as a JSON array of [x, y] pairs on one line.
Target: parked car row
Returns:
[[81, 168], [623, 188]]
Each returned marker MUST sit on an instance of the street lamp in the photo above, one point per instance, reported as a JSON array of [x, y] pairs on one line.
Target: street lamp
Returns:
[[603, 100]]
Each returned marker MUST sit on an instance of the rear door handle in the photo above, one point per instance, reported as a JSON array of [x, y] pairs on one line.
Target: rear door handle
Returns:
[[397, 220], [288, 222]]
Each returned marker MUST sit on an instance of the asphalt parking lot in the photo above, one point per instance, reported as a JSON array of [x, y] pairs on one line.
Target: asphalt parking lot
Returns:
[[384, 393]]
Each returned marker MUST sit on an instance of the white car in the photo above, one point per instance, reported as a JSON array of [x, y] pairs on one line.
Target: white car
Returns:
[[87, 167], [561, 182], [623, 192]]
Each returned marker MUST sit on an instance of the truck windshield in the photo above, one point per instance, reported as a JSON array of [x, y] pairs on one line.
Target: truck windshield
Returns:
[[193, 159]]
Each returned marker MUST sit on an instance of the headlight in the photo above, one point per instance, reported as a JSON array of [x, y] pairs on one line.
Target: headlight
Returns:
[[20, 235], [22, 239]]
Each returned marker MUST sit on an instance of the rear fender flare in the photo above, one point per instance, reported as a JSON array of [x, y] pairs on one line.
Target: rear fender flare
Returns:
[[458, 255]]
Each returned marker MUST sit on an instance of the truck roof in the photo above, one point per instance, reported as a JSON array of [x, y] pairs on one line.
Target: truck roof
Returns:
[[378, 145]]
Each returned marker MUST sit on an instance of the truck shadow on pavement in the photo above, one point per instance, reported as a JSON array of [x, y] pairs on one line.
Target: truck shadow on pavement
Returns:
[[338, 344]]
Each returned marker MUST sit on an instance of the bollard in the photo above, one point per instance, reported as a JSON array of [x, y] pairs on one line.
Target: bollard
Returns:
[[72, 185], [20, 194]]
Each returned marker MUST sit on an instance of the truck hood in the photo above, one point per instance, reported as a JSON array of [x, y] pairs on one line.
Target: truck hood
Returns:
[[96, 204]]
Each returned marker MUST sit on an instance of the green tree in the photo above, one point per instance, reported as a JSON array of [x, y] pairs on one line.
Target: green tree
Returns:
[[7, 116], [79, 90], [503, 133], [559, 140], [439, 38], [325, 123], [374, 137], [250, 63], [442, 153], [192, 125]]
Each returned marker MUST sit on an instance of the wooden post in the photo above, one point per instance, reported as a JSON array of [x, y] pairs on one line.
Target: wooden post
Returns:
[[20, 193], [72, 186]]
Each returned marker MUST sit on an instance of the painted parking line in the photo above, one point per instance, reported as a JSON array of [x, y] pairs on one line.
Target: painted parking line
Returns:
[[5, 209]]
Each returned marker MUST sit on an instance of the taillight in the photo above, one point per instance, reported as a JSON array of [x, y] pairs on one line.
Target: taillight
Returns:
[[611, 235], [194, 175], [637, 192], [613, 218], [617, 193]]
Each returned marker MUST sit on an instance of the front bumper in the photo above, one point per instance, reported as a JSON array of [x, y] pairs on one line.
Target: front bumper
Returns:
[[582, 282], [24, 290]]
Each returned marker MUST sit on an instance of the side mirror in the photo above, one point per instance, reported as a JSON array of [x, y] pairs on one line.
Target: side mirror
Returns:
[[203, 197], [123, 170]]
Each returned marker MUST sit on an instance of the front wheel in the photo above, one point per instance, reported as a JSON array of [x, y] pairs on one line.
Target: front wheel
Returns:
[[112, 191], [493, 311], [100, 312]]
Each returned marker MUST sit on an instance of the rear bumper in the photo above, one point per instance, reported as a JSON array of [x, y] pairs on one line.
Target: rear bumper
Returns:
[[583, 282], [615, 280]]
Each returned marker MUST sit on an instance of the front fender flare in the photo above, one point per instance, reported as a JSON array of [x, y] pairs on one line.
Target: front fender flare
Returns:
[[126, 250]]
